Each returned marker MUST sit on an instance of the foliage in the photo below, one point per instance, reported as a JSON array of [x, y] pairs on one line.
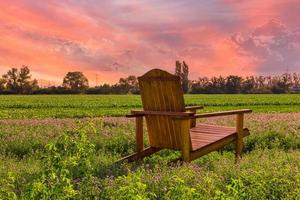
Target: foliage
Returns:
[[182, 70], [64, 163], [233, 84], [77, 163], [62, 159], [129, 85], [18, 82], [79, 106], [75, 81], [250, 84], [7, 190], [14, 82]]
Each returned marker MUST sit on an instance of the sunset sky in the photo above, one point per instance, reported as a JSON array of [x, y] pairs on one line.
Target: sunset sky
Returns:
[[116, 38]]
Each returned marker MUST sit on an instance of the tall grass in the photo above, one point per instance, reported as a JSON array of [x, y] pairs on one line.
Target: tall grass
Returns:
[[270, 167]]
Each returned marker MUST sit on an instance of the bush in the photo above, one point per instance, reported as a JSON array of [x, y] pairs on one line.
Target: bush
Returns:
[[258, 176], [65, 163], [71, 167], [7, 187], [268, 140]]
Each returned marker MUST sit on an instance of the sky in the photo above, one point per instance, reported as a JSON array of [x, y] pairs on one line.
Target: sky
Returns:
[[109, 39]]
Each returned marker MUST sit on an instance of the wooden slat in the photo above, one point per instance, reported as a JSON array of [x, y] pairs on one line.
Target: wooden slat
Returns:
[[164, 119], [168, 107], [160, 106], [147, 99], [162, 98], [165, 113], [205, 149], [185, 137], [239, 140], [224, 113], [136, 156], [193, 107], [203, 134], [159, 78]]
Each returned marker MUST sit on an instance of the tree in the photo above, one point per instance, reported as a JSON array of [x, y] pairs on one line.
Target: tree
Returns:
[[233, 84], [11, 78], [185, 77], [2, 84], [178, 68], [25, 84], [19, 81], [129, 85], [75, 81], [182, 70], [248, 84]]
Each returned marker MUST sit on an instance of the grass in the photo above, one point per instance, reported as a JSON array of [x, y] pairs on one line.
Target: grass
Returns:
[[43, 156], [78, 106], [269, 170]]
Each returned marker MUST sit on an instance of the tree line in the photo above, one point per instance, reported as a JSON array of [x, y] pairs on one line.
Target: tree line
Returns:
[[19, 81]]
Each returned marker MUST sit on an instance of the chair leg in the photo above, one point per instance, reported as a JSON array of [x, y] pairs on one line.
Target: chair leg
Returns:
[[239, 138], [139, 155], [186, 142]]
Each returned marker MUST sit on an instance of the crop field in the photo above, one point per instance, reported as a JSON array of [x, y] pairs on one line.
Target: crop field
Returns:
[[65, 147], [69, 106]]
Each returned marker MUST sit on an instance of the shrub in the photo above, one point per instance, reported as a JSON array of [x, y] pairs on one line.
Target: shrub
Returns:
[[127, 188], [7, 187], [65, 163], [268, 140]]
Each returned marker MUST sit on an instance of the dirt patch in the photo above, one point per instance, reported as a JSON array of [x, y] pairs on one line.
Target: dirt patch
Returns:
[[257, 121], [63, 121]]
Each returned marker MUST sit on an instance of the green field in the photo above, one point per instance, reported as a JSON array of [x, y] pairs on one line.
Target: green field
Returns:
[[49, 150], [69, 106]]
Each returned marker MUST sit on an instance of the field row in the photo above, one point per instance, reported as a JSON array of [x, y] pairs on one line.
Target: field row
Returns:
[[70, 106]]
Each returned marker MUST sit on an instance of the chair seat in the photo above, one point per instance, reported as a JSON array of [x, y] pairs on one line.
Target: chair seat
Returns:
[[204, 135]]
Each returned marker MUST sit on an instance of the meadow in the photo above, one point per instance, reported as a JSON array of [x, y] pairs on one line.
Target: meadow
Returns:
[[79, 106], [65, 146]]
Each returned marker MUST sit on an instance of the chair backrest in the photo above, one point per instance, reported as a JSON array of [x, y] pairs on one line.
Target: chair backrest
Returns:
[[162, 91]]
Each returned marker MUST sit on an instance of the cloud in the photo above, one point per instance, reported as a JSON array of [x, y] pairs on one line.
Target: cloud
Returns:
[[273, 47], [118, 38]]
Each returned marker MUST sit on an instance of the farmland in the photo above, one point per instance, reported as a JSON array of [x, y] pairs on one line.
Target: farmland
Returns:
[[42, 137], [78, 106]]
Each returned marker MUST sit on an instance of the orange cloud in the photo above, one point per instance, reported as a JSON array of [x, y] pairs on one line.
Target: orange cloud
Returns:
[[114, 39]]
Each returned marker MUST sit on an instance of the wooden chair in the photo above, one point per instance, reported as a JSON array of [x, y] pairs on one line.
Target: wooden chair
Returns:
[[171, 125]]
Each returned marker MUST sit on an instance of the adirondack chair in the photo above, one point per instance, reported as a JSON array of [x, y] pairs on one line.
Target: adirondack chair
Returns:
[[171, 125]]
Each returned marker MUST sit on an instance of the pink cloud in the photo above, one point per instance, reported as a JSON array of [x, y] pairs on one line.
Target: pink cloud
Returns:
[[114, 39]]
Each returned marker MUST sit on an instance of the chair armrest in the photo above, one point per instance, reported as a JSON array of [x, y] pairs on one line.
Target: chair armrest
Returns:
[[134, 115], [224, 113], [139, 113], [191, 108]]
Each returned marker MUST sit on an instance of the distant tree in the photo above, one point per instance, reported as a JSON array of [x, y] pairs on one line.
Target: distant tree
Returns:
[[11, 78], [296, 80], [105, 89], [182, 70], [20, 81], [26, 85], [2, 84], [280, 87], [233, 84], [178, 68], [185, 77], [216, 85], [248, 84], [75, 81], [129, 85]]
